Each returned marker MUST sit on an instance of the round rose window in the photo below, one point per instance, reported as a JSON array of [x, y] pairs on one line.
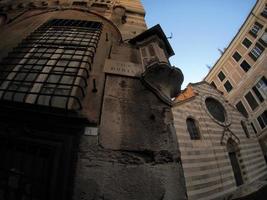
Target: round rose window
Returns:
[[216, 109]]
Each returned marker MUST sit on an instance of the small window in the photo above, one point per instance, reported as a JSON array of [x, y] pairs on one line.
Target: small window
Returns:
[[216, 109], [151, 50], [246, 42], [213, 84], [192, 129], [245, 128], [262, 87], [262, 119], [228, 86], [263, 39], [245, 66], [258, 94], [251, 101], [264, 12], [256, 51], [253, 127], [241, 108], [255, 29], [237, 56], [221, 76], [149, 55]]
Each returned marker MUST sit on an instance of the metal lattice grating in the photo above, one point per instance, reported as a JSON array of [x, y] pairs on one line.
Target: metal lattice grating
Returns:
[[51, 66]]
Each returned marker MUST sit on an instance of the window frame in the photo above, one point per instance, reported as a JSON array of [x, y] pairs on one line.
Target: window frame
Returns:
[[256, 52], [228, 83], [255, 29], [239, 56], [261, 121], [195, 135], [245, 114], [221, 74], [252, 107], [244, 67], [243, 43]]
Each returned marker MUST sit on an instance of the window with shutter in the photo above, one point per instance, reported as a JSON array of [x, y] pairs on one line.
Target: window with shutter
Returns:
[[149, 55]]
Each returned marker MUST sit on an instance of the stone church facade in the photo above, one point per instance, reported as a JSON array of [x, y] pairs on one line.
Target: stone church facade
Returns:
[[219, 149], [87, 111]]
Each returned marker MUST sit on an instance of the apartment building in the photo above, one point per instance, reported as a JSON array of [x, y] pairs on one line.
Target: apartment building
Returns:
[[241, 71]]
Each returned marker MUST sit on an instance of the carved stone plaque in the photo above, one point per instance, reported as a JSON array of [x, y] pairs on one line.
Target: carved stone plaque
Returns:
[[123, 68]]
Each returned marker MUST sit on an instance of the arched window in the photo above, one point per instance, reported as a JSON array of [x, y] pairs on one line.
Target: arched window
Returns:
[[192, 129], [216, 109], [245, 128]]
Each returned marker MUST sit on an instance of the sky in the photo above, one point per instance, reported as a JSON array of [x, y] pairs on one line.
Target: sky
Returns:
[[199, 28]]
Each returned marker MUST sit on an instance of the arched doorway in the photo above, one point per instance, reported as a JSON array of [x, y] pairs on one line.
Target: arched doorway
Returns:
[[232, 148]]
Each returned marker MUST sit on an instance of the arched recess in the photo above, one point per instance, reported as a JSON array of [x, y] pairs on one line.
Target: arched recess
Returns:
[[193, 129], [233, 151], [74, 9]]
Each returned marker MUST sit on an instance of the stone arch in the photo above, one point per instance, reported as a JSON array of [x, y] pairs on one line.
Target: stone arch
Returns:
[[229, 135], [80, 10]]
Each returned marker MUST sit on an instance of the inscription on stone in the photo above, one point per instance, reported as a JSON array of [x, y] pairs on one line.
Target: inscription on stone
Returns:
[[91, 131], [123, 68]]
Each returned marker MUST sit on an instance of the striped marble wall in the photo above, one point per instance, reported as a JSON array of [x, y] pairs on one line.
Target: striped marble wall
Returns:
[[207, 168]]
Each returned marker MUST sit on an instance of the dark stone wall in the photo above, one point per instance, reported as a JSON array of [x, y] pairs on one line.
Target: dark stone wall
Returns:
[[136, 155]]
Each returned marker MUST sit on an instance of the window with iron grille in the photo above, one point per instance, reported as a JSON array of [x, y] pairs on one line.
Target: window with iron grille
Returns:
[[256, 51], [51, 66], [192, 129], [255, 29]]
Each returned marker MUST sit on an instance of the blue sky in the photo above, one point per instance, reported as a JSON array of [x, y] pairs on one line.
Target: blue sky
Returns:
[[199, 28]]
